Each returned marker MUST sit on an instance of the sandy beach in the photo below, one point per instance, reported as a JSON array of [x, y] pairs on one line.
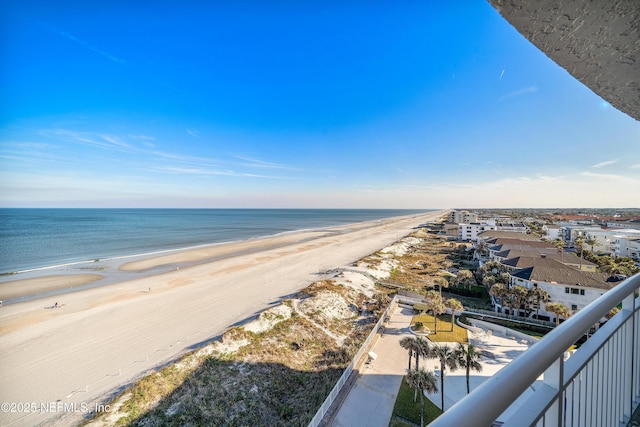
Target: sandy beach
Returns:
[[63, 361]]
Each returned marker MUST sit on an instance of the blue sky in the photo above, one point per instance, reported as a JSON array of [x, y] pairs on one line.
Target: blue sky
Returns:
[[297, 104]]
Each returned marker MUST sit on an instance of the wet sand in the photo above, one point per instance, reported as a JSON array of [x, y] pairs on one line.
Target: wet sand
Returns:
[[39, 285]]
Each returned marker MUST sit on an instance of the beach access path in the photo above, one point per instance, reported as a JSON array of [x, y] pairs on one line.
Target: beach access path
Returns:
[[63, 362], [371, 400]]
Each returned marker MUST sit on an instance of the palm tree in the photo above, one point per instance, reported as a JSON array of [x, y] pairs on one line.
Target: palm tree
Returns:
[[441, 282], [489, 280], [447, 359], [410, 344], [465, 278], [469, 358], [422, 380], [559, 243], [518, 295], [579, 243], [454, 305], [558, 309], [591, 242], [498, 291], [482, 249], [422, 350], [538, 295], [437, 307]]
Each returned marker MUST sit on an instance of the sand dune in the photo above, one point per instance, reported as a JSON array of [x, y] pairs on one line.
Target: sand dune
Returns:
[[72, 358]]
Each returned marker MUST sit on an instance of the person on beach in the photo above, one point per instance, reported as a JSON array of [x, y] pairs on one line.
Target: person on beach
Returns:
[[55, 305]]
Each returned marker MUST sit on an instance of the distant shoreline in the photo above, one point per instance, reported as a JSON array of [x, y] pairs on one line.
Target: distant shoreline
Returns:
[[70, 277], [144, 233]]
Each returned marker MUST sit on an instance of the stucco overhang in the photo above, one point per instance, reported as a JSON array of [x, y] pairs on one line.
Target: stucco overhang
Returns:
[[598, 42]]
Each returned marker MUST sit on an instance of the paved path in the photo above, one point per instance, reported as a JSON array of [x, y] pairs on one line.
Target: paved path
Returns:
[[502, 349], [370, 402]]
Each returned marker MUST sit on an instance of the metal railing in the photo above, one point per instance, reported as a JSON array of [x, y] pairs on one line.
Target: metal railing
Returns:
[[599, 385], [517, 319]]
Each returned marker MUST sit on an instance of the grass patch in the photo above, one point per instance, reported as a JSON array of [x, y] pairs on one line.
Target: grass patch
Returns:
[[528, 332], [444, 328], [406, 408]]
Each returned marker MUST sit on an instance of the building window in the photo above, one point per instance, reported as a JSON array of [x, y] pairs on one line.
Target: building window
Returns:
[[566, 290], [581, 291], [574, 307]]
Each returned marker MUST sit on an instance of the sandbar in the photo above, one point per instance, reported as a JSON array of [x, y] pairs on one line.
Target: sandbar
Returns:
[[220, 250], [39, 285]]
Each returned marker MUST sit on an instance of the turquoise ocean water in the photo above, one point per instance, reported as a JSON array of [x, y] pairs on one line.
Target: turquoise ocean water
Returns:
[[32, 239]]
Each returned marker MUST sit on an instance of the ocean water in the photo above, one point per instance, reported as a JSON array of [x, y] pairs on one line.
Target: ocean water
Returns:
[[36, 238]]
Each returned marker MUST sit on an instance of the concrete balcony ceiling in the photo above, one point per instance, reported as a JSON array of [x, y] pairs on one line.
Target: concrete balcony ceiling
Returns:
[[596, 41]]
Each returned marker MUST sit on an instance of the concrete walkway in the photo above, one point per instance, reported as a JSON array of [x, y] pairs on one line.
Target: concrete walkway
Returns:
[[498, 351], [370, 402]]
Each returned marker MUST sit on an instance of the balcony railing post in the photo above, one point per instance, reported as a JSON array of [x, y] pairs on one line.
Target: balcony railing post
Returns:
[[553, 377], [628, 304]]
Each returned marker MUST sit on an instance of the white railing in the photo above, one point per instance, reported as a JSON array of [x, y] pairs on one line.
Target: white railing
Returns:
[[326, 405], [599, 385]]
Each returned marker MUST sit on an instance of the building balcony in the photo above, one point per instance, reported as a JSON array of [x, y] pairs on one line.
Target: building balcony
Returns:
[[598, 385]]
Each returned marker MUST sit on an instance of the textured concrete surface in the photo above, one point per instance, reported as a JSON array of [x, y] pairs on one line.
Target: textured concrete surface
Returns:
[[596, 41], [371, 400]]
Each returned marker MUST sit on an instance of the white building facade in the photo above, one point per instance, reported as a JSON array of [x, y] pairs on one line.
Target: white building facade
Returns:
[[460, 217], [470, 231], [627, 247]]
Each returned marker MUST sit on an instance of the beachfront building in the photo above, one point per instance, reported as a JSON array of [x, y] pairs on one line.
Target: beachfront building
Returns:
[[552, 231], [632, 224], [565, 284], [514, 259], [569, 233], [488, 235], [470, 231], [462, 217], [627, 247], [513, 227], [488, 243], [496, 245], [604, 237], [451, 230]]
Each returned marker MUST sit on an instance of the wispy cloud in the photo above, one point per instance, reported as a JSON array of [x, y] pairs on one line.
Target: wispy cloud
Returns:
[[189, 160], [94, 139], [636, 166], [601, 175], [200, 171], [84, 43], [115, 140], [501, 74], [519, 92], [193, 132], [144, 139], [603, 164], [256, 163]]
